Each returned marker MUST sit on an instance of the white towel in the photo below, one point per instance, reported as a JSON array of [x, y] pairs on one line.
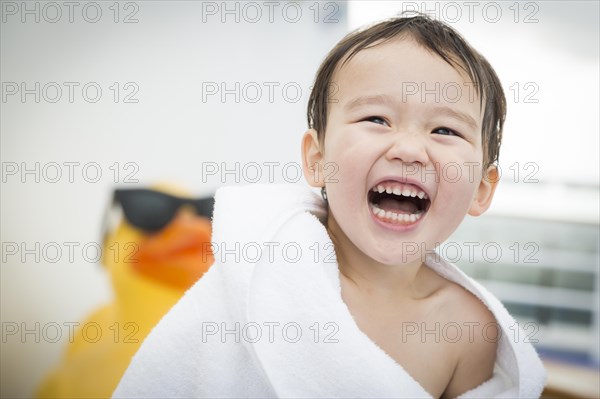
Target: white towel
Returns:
[[268, 320]]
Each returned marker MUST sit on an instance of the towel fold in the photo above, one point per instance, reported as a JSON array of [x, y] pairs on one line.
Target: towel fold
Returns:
[[268, 320]]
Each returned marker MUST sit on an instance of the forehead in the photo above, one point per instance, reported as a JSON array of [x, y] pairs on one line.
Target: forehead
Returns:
[[403, 69]]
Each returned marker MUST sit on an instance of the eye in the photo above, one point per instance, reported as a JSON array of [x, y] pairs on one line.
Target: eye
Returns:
[[446, 132], [376, 119]]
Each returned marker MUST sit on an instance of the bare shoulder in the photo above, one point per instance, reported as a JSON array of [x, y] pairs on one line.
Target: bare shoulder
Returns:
[[476, 334]]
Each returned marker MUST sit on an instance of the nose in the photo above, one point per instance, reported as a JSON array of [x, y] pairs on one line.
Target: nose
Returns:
[[409, 147]]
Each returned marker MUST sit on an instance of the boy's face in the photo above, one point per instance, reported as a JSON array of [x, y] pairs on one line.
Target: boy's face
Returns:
[[398, 123]]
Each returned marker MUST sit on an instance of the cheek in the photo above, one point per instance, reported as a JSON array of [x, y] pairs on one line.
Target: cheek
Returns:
[[458, 183], [459, 172], [344, 179], [455, 195], [347, 160]]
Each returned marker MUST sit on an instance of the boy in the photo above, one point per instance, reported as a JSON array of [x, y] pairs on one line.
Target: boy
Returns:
[[361, 307]]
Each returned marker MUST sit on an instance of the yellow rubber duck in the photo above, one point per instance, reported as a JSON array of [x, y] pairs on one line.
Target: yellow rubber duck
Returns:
[[149, 272]]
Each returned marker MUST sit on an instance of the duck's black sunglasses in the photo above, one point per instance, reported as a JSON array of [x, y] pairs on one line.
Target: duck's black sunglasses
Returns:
[[151, 210]]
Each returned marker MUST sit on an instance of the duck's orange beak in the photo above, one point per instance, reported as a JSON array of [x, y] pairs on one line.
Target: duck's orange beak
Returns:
[[179, 254]]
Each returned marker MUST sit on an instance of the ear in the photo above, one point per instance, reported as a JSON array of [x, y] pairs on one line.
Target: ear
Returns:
[[312, 157], [484, 194]]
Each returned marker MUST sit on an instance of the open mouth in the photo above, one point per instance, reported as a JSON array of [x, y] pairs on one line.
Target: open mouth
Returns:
[[398, 203]]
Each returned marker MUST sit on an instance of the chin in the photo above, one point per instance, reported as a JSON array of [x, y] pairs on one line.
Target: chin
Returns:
[[408, 253]]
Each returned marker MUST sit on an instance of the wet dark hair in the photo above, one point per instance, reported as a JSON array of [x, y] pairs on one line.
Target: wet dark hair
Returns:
[[436, 36]]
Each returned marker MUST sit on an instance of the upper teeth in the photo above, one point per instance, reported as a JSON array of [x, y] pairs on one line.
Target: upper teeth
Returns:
[[402, 190]]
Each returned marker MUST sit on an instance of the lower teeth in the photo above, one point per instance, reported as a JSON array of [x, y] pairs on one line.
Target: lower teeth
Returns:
[[396, 217]]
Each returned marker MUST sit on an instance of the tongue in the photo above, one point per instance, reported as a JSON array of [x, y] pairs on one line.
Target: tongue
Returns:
[[394, 205]]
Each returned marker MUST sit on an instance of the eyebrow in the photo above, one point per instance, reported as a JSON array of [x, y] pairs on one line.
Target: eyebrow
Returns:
[[452, 113], [388, 100], [365, 100]]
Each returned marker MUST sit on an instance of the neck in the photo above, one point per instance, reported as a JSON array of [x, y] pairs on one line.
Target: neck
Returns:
[[374, 278]]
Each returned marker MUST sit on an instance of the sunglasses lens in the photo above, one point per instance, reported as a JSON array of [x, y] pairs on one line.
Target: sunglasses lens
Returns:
[[148, 210], [204, 206]]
